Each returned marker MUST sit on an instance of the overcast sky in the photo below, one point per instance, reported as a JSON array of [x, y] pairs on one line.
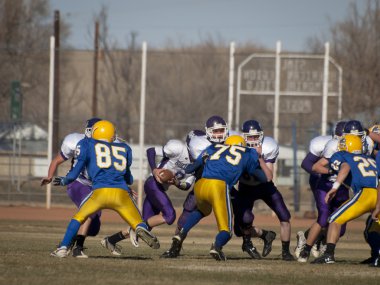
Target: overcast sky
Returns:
[[188, 22]]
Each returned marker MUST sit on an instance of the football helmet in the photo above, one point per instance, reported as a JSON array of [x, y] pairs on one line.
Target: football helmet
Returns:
[[375, 128], [354, 127], [216, 129], [253, 133], [338, 129], [235, 140], [89, 124], [103, 131], [351, 143]]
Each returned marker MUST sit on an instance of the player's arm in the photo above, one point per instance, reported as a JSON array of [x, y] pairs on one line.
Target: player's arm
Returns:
[[128, 174], [198, 163], [342, 175], [321, 166], [59, 159], [81, 153]]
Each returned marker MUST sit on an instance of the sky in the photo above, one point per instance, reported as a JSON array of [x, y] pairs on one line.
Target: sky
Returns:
[[188, 22]]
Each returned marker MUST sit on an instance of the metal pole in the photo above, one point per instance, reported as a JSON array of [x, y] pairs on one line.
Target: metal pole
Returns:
[[296, 194], [56, 84], [277, 92], [50, 120], [95, 75], [325, 89], [142, 123], [340, 93], [231, 84], [237, 115]]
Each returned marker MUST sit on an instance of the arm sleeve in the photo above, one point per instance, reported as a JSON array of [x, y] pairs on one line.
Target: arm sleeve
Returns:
[[151, 155], [308, 162], [128, 175]]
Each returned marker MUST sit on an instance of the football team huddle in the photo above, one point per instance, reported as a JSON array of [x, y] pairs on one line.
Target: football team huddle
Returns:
[[225, 172]]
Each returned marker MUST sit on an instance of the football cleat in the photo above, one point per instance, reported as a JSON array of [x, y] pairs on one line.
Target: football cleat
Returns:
[[217, 253], [175, 249], [287, 256], [115, 249], [248, 247], [324, 259], [304, 256], [369, 260], [133, 238], [78, 252], [315, 250], [376, 262], [301, 241], [60, 252], [147, 237], [268, 239]]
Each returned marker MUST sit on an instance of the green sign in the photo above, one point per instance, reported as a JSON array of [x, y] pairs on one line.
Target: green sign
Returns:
[[16, 100]]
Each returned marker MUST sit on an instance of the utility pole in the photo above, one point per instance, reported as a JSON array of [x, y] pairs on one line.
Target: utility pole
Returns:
[[56, 85], [95, 77]]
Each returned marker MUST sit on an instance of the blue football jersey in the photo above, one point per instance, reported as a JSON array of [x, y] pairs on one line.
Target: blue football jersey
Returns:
[[226, 162], [107, 164], [363, 169]]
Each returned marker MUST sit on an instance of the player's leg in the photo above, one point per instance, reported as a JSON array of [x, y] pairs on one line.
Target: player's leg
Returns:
[[93, 204], [275, 201], [189, 206], [219, 198], [156, 195], [127, 209], [242, 204], [363, 202]]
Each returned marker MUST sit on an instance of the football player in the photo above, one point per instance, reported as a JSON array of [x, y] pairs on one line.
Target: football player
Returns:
[[359, 171], [223, 165], [317, 185], [196, 142], [252, 188], [108, 164], [79, 189]]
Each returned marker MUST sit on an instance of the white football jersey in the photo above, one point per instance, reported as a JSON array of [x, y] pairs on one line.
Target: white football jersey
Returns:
[[68, 148], [317, 145], [270, 151], [179, 158], [197, 145]]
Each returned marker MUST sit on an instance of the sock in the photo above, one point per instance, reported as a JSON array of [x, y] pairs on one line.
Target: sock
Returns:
[[80, 240], [222, 238], [307, 233], [263, 234], [115, 238], [192, 220], [71, 231], [285, 246], [330, 248], [307, 248]]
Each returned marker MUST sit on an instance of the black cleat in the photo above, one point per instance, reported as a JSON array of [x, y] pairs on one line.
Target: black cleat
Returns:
[[248, 247], [369, 260], [324, 259], [268, 239], [174, 250], [304, 256], [78, 252], [287, 256], [376, 262], [217, 253]]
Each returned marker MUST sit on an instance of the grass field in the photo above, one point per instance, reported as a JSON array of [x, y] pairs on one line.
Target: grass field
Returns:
[[25, 247]]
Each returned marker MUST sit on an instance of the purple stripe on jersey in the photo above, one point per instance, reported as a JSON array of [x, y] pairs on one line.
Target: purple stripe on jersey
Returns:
[[157, 201], [273, 160]]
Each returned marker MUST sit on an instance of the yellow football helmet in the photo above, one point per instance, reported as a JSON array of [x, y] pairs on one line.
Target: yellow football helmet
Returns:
[[235, 140], [351, 143], [103, 131]]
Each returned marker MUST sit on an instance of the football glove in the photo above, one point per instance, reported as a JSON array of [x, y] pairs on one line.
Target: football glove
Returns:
[[59, 181]]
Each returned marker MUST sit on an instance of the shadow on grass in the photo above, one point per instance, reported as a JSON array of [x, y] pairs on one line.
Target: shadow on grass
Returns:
[[122, 257]]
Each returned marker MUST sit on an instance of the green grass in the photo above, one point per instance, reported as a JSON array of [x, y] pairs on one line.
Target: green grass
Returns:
[[25, 249]]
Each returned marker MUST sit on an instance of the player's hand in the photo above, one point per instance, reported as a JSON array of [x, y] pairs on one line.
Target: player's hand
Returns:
[[330, 195], [259, 149], [46, 180], [174, 181], [156, 174], [59, 181]]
